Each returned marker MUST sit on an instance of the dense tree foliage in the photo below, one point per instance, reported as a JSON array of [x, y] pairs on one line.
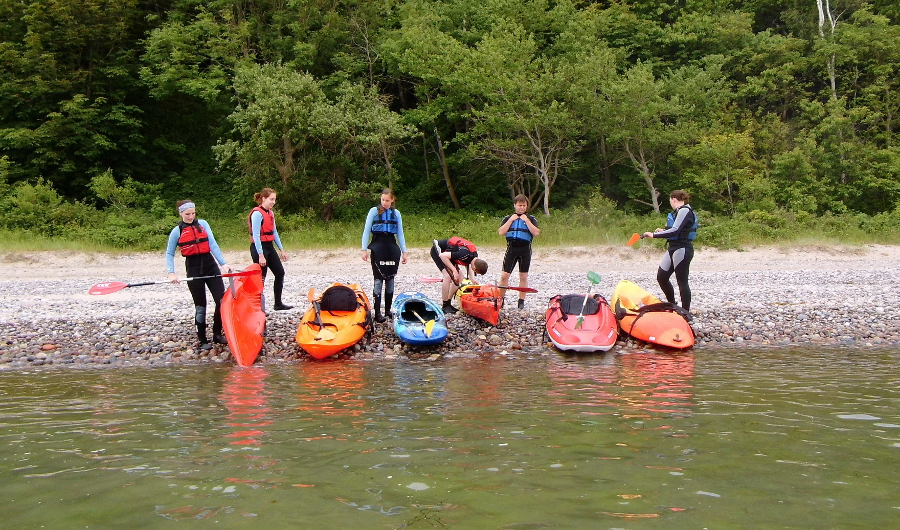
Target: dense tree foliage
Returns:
[[752, 105]]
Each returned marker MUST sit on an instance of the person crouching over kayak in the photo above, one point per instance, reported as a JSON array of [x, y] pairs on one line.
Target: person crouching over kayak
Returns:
[[263, 240], [519, 229], [195, 239], [448, 255], [680, 230], [384, 226]]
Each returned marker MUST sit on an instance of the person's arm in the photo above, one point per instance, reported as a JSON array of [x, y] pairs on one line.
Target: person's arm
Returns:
[[400, 239], [170, 253], [278, 244], [255, 228], [531, 223], [367, 232], [505, 224], [214, 247], [680, 220]]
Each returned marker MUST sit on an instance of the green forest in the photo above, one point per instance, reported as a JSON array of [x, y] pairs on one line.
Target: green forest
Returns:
[[773, 114]]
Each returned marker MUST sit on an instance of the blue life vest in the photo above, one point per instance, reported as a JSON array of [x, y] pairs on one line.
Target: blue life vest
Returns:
[[519, 230], [687, 234], [385, 223]]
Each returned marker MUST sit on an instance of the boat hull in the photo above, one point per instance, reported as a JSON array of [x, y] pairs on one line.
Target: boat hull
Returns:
[[598, 329], [243, 320], [345, 327], [407, 325], [646, 318]]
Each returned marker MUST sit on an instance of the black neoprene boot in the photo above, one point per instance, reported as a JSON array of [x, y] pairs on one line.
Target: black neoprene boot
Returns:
[[388, 301], [201, 336], [378, 317], [448, 308]]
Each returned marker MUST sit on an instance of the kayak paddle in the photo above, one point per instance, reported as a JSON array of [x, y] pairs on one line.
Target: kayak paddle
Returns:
[[594, 278], [111, 287], [634, 239], [428, 325], [323, 334], [436, 279]]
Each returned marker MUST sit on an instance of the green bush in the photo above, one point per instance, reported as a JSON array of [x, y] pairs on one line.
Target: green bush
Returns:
[[39, 209]]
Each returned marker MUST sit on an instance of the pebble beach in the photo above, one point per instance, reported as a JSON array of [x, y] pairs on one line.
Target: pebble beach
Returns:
[[755, 298]]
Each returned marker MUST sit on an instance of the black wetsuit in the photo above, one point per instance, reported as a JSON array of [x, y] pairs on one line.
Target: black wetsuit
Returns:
[[678, 256], [518, 249]]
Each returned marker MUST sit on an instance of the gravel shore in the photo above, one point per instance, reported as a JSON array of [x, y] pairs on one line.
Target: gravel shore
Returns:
[[758, 298]]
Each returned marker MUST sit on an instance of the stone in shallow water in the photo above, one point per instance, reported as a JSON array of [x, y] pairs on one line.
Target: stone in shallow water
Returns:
[[418, 486]]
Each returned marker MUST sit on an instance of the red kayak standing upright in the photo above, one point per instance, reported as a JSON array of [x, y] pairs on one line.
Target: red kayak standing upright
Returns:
[[243, 319]]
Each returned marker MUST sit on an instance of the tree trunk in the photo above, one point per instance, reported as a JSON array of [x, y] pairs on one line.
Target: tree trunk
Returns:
[[446, 170]]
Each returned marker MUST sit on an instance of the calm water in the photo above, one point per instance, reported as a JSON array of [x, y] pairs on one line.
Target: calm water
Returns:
[[698, 440]]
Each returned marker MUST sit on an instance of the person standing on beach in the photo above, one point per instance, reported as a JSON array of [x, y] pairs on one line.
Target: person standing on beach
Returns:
[[680, 231], [264, 240], [384, 226], [520, 229], [448, 255], [195, 239]]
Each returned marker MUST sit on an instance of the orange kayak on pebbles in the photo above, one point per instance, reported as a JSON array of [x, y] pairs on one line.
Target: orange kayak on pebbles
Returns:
[[337, 319], [597, 331], [481, 301], [646, 318], [243, 319]]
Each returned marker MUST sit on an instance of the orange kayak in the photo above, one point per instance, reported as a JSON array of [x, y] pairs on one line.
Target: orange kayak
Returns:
[[481, 301], [342, 321], [243, 319], [597, 331], [646, 318]]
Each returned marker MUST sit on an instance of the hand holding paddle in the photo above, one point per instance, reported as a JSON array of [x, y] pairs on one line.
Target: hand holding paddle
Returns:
[[594, 278], [112, 287], [435, 279]]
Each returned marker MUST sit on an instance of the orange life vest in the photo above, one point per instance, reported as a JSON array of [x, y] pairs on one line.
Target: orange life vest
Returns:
[[267, 229], [193, 240]]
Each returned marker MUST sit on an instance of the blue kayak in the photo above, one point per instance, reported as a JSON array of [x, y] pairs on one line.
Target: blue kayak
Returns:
[[431, 328]]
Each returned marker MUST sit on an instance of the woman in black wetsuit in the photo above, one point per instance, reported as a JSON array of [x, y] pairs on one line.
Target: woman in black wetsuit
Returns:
[[202, 257], [680, 231], [384, 226]]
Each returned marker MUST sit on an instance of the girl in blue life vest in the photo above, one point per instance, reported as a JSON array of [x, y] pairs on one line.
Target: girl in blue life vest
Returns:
[[381, 235], [195, 239], [520, 229], [680, 231], [263, 240]]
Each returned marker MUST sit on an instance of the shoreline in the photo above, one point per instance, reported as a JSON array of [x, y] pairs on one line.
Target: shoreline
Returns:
[[760, 298]]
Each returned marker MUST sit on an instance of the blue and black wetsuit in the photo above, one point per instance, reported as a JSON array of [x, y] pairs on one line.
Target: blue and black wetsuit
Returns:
[[387, 245], [681, 229]]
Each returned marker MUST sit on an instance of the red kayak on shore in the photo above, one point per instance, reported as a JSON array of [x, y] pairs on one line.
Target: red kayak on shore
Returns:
[[481, 301], [594, 330], [243, 319], [645, 317]]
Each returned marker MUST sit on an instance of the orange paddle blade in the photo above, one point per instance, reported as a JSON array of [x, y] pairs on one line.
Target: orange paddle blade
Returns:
[[634, 239]]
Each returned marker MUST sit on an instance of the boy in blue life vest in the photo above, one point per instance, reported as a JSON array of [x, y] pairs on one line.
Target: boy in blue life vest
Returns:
[[520, 229]]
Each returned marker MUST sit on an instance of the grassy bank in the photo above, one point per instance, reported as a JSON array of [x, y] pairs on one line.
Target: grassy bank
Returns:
[[577, 227]]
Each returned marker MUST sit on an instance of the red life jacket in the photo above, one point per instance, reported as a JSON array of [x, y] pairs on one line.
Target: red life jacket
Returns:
[[193, 239], [267, 229], [457, 243]]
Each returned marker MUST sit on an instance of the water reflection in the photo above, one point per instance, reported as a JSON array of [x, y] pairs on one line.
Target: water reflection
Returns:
[[692, 439], [244, 395]]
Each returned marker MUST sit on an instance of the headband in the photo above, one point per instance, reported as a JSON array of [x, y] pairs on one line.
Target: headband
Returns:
[[186, 206]]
